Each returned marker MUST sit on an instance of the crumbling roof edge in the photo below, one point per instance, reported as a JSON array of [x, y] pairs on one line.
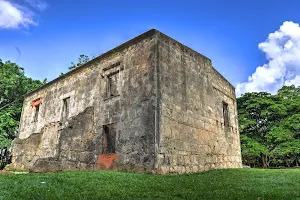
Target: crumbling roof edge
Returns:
[[106, 54], [199, 54], [189, 48], [223, 77], [124, 45]]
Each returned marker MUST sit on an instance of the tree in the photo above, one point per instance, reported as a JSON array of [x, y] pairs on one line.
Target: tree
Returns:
[[13, 85], [81, 60], [255, 121], [269, 127]]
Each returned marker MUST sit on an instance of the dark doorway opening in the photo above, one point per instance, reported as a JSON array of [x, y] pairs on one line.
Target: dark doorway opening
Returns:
[[109, 139]]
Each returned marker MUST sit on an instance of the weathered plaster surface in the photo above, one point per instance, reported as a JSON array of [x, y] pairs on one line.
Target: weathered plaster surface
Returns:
[[193, 137], [167, 115], [67, 141]]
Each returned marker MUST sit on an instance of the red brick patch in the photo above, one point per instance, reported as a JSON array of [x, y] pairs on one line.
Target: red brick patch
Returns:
[[107, 161]]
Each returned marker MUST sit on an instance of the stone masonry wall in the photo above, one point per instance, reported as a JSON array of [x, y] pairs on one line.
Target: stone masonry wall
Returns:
[[51, 141], [193, 136], [163, 102]]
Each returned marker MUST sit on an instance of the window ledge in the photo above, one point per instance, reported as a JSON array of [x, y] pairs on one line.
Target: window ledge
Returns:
[[111, 97]]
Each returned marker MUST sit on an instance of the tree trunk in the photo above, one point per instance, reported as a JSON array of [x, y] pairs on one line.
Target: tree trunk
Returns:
[[5, 157], [265, 161]]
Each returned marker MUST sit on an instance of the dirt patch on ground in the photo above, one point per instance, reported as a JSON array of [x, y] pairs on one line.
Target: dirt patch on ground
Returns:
[[4, 172]]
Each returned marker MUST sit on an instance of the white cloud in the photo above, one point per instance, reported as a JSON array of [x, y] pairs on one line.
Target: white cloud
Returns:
[[37, 4], [15, 15], [282, 49]]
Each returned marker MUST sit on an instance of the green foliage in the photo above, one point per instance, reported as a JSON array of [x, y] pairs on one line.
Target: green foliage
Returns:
[[81, 60], [270, 128], [13, 85]]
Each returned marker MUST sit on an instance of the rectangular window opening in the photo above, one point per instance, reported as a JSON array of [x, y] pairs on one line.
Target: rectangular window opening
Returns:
[[225, 114], [112, 85], [109, 139], [66, 107], [36, 114]]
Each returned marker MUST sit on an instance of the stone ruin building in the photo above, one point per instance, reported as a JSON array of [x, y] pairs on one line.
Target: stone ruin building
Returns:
[[149, 105]]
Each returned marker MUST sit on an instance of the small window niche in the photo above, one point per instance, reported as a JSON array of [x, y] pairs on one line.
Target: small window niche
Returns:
[[109, 139], [36, 113], [66, 108], [112, 85], [36, 105], [225, 114]]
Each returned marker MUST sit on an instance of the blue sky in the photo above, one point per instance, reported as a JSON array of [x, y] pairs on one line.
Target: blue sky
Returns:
[[45, 36]]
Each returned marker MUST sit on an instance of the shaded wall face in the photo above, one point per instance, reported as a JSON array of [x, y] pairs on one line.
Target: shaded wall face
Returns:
[[193, 135], [117, 93]]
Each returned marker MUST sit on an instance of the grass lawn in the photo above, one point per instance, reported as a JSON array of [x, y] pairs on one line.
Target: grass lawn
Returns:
[[217, 184]]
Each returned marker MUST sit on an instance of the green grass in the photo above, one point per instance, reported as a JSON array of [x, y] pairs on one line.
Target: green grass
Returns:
[[217, 184]]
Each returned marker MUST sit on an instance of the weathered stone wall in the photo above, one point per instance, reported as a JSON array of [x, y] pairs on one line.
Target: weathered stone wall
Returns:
[[53, 142], [163, 109], [193, 136]]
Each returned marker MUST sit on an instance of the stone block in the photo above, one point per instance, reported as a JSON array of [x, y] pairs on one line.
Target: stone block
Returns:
[[45, 165], [87, 157], [164, 169]]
